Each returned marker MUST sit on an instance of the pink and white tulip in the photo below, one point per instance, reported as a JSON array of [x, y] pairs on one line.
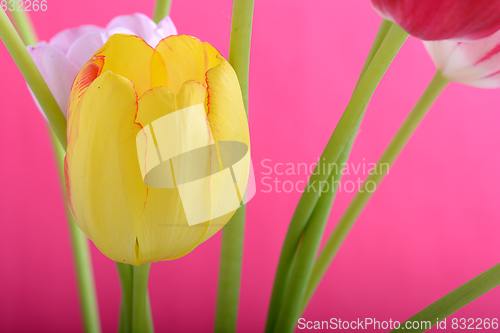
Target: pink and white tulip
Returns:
[[60, 60], [475, 63], [443, 19]]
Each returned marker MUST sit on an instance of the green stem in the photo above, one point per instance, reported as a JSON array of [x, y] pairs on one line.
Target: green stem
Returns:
[[126, 274], [25, 27], [228, 290], [382, 32], [397, 144], [162, 10], [239, 43], [457, 299], [79, 243], [323, 201], [32, 75], [304, 260], [139, 295], [301, 270], [344, 130], [149, 316]]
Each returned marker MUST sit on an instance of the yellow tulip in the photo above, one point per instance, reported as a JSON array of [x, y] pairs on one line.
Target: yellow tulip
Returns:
[[131, 189]]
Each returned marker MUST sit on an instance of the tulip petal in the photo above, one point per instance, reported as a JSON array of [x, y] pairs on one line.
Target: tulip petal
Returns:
[[475, 63], [139, 24], [165, 233], [84, 48], [155, 103], [226, 112], [173, 53], [57, 71], [443, 19], [164, 29], [65, 38], [128, 56], [228, 121], [106, 189]]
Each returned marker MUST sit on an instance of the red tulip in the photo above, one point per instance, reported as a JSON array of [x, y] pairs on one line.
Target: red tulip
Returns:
[[443, 19]]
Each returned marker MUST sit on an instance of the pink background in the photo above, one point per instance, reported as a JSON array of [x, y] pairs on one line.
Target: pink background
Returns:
[[432, 225]]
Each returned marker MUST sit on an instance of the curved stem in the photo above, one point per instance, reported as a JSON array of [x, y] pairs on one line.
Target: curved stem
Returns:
[[79, 243], [162, 10], [457, 299], [322, 205], [32, 75], [228, 290], [343, 131], [397, 144], [383, 30], [304, 260], [139, 294]]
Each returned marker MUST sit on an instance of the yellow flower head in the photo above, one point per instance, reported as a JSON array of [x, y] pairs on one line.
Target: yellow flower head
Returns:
[[158, 147]]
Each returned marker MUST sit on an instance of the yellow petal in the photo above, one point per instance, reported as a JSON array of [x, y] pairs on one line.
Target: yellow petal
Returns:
[[155, 103], [165, 233], [130, 57], [106, 190], [127, 220], [89, 72], [226, 112], [181, 58], [228, 121], [191, 93]]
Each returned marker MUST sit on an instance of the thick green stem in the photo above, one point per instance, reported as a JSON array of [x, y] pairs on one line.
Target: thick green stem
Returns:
[[382, 32], [126, 274], [139, 294], [455, 300], [228, 290], [32, 75], [162, 9], [239, 43], [397, 144], [344, 130], [149, 316]]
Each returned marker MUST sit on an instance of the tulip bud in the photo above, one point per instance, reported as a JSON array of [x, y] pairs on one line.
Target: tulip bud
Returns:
[[61, 58], [443, 19], [158, 155], [475, 63]]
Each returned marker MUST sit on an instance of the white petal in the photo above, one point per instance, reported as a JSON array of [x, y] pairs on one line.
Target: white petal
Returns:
[[139, 24], [84, 47], [118, 30], [440, 51], [164, 29], [57, 70], [475, 63], [65, 38]]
